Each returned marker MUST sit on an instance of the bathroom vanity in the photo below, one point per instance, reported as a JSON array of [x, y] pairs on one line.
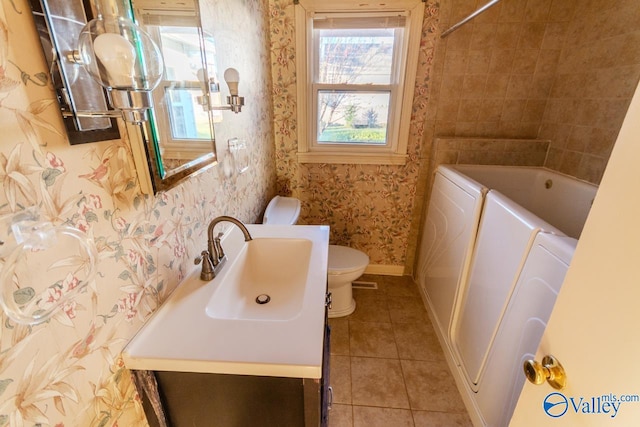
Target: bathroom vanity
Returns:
[[214, 355]]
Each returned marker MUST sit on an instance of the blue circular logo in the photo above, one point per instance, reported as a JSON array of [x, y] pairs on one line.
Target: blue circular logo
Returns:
[[555, 405]]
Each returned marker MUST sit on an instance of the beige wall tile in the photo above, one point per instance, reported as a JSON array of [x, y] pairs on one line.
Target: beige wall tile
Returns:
[[600, 142], [455, 61], [569, 85], [506, 35], [525, 61], [460, 9], [571, 163], [554, 34], [446, 126], [466, 128], [448, 109], [534, 110], [479, 61], [501, 61], [537, 10], [519, 86], [451, 87], [616, 82], [541, 86], [487, 129], [531, 35], [554, 158], [513, 11], [460, 39], [562, 10], [473, 85], [496, 86], [491, 110], [547, 61], [469, 110], [591, 168], [513, 110], [489, 16], [483, 36]]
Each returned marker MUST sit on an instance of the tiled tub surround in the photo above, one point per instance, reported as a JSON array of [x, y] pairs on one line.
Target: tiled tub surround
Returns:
[[563, 70], [597, 73], [557, 70], [387, 367], [488, 151]]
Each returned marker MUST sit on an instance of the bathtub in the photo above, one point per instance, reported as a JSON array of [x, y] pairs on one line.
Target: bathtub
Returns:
[[485, 226]]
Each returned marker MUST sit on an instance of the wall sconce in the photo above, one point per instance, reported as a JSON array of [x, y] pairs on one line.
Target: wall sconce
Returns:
[[124, 59], [235, 102], [110, 50]]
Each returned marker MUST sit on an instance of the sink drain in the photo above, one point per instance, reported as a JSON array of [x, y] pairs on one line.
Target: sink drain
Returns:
[[263, 299]]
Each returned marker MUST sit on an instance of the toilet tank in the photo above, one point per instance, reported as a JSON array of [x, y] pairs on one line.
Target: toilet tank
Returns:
[[282, 210]]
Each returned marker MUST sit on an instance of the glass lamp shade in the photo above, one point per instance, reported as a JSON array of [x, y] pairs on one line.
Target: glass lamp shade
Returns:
[[120, 55]]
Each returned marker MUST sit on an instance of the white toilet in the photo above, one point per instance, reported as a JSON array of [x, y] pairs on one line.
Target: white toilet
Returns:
[[345, 264]]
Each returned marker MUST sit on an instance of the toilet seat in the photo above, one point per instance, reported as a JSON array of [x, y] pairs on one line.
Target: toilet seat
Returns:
[[345, 260]]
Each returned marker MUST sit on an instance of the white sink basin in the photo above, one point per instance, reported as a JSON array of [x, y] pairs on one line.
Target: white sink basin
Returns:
[[217, 327], [266, 281]]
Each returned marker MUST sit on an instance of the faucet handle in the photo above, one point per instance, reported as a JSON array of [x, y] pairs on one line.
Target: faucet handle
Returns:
[[207, 272], [218, 245]]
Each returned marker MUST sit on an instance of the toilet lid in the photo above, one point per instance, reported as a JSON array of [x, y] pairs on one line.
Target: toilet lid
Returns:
[[343, 259], [282, 210]]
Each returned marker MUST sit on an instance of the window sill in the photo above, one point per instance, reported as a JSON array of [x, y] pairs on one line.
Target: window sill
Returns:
[[353, 158]]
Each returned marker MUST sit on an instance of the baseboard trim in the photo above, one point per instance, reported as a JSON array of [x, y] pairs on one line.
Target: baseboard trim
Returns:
[[385, 270]]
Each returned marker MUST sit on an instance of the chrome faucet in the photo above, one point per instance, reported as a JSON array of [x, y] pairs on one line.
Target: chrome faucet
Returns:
[[214, 258]]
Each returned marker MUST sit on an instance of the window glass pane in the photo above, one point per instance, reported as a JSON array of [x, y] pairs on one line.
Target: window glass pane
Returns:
[[355, 56], [188, 119], [353, 117], [182, 51]]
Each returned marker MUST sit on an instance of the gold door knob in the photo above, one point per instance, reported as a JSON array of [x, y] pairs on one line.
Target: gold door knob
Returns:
[[550, 369]]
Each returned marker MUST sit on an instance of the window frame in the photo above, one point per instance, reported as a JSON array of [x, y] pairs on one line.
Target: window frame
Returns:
[[395, 151]]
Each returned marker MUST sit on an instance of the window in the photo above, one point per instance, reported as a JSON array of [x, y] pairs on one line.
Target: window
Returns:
[[356, 65]]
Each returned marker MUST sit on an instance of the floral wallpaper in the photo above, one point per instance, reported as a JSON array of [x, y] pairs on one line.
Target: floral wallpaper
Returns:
[[369, 207], [67, 371]]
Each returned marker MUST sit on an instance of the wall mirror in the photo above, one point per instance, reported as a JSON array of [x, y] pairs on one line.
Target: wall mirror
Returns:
[[178, 138], [179, 135]]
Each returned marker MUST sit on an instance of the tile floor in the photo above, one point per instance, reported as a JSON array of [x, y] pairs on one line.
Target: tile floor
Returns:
[[387, 366]]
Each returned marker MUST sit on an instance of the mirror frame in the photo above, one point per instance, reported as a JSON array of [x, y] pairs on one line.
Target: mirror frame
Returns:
[[146, 158]]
